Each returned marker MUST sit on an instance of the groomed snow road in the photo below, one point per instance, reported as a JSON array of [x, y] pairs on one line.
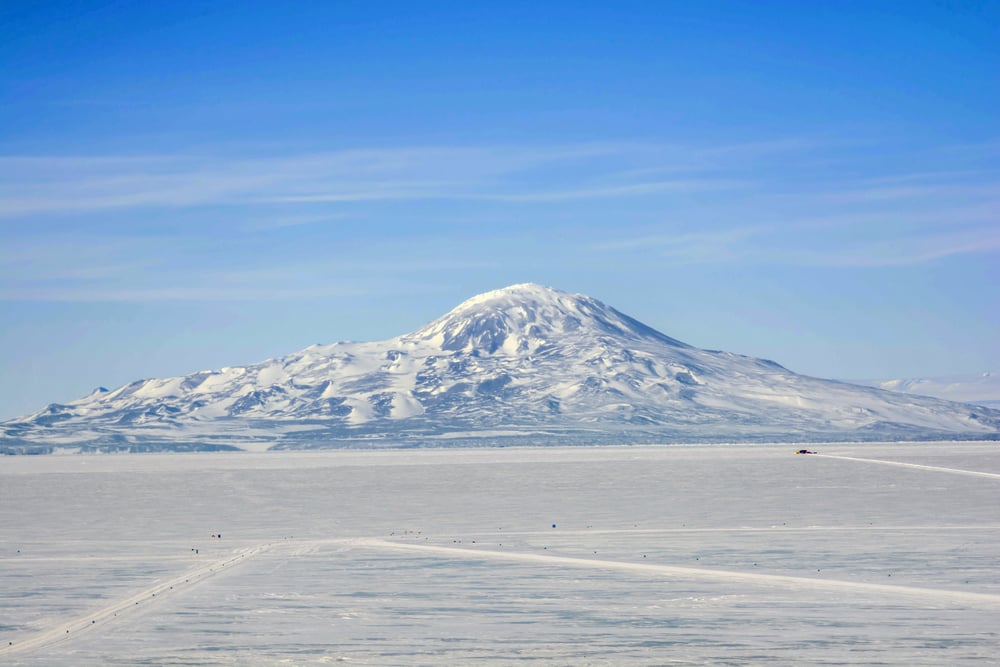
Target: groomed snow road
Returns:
[[69, 631]]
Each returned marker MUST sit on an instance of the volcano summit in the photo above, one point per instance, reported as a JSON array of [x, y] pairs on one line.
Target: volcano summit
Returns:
[[522, 365]]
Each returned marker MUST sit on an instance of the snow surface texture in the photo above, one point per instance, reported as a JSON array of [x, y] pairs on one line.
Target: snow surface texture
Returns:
[[863, 555], [982, 389], [521, 365]]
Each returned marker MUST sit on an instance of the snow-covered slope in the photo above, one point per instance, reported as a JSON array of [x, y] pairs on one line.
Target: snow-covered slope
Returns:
[[521, 365], [982, 389]]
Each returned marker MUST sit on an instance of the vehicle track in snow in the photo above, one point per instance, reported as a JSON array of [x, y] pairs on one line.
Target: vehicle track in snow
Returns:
[[852, 528], [289, 548], [96, 618], [983, 600], [918, 466]]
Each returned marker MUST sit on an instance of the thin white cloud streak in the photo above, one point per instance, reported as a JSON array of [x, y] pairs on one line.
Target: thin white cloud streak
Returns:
[[84, 269], [887, 220], [279, 283], [982, 213], [453, 192], [79, 258], [38, 185], [183, 293], [616, 191], [907, 251], [892, 212], [932, 177], [678, 158], [707, 247], [755, 149], [666, 241], [374, 192], [799, 242], [915, 192], [338, 269], [283, 222]]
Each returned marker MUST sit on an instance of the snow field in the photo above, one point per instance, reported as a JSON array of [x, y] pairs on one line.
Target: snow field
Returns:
[[659, 555]]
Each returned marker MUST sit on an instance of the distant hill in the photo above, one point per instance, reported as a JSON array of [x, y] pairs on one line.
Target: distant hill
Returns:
[[521, 365], [982, 389]]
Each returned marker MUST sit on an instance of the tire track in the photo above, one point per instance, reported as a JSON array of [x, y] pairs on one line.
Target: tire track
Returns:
[[769, 580], [141, 600], [562, 532], [955, 471]]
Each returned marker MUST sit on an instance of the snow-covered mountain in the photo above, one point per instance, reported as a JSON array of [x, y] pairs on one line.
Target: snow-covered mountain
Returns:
[[521, 365], [982, 389]]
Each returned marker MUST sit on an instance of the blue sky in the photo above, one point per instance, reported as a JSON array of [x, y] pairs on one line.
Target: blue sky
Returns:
[[192, 185]]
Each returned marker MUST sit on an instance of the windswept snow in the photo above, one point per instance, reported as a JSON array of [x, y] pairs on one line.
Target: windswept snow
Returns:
[[549, 556]]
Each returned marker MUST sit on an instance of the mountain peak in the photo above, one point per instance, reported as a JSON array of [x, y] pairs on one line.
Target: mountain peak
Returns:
[[520, 291], [520, 295], [523, 318]]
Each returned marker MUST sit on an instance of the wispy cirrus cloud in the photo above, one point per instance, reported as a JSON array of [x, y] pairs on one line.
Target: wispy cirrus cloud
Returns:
[[742, 204], [912, 191], [618, 191], [112, 294], [38, 185], [915, 249], [780, 245], [849, 235], [691, 247], [76, 268]]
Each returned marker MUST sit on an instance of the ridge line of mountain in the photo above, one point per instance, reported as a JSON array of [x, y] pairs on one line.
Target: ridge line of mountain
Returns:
[[525, 364]]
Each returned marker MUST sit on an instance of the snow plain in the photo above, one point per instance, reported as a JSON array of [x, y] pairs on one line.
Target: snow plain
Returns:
[[866, 555]]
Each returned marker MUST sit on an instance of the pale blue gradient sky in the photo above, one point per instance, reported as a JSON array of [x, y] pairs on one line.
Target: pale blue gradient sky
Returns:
[[193, 185]]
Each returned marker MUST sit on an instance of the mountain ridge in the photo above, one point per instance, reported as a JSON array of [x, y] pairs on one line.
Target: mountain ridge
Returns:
[[524, 364], [979, 389]]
